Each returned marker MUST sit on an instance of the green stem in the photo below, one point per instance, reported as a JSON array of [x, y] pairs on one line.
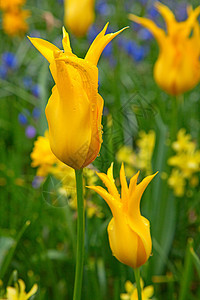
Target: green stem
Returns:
[[137, 279], [80, 235]]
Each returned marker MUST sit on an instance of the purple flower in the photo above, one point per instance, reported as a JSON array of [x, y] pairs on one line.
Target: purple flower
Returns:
[[30, 132], [37, 181]]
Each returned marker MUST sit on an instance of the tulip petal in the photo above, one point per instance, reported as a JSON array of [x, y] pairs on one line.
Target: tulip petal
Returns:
[[137, 223], [99, 44], [158, 33], [89, 76], [114, 205], [135, 193], [74, 113], [45, 48], [133, 184], [190, 22], [124, 186], [96, 135], [110, 185], [66, 41], [167, 15], [122, 236]]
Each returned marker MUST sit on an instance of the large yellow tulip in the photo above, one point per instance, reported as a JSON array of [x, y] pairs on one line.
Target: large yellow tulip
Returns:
[[74, 110], [177, 69], [79, 16], [128, 231]]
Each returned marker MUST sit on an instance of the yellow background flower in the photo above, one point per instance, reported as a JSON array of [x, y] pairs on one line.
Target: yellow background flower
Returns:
[[177, 69], [131, 291], [185, 163], [18, 292], [79, 16]]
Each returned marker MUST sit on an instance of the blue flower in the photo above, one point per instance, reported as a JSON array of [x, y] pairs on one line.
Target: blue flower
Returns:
[[152, 12], [144, 34], [35, 90], [27, 81], [103, 8], [181, 12], [3, 71], [22, 119], [136, 51], [107, 50], [9, 60], [36, 113]]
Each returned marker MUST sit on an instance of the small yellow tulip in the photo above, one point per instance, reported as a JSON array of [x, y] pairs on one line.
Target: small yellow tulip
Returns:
[[79, 16], [177, 69], [74, 110], [128, 231]]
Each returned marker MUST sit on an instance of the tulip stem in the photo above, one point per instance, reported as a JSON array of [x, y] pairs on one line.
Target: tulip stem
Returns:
[[137, 279], [80, 235]]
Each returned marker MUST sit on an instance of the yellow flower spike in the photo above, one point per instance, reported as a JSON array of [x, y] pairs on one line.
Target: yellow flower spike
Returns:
[[74, 110], [179, 50], [127, 227], [131, 291], [79, 16], [18, 292]]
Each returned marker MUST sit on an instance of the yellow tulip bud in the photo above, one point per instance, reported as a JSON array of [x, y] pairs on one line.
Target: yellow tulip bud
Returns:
[[177, 68], [79, 16], [74, 109], [128, 231]]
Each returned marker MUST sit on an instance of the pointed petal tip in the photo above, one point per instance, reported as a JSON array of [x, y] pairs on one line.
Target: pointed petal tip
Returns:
[[134, 18], [64, 31], [119, 31], [158, 5], [150, 177]]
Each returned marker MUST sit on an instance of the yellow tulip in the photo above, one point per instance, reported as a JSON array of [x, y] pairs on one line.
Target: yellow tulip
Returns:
[[128, 231], [177, 68], [79, 16], [74, 110]]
